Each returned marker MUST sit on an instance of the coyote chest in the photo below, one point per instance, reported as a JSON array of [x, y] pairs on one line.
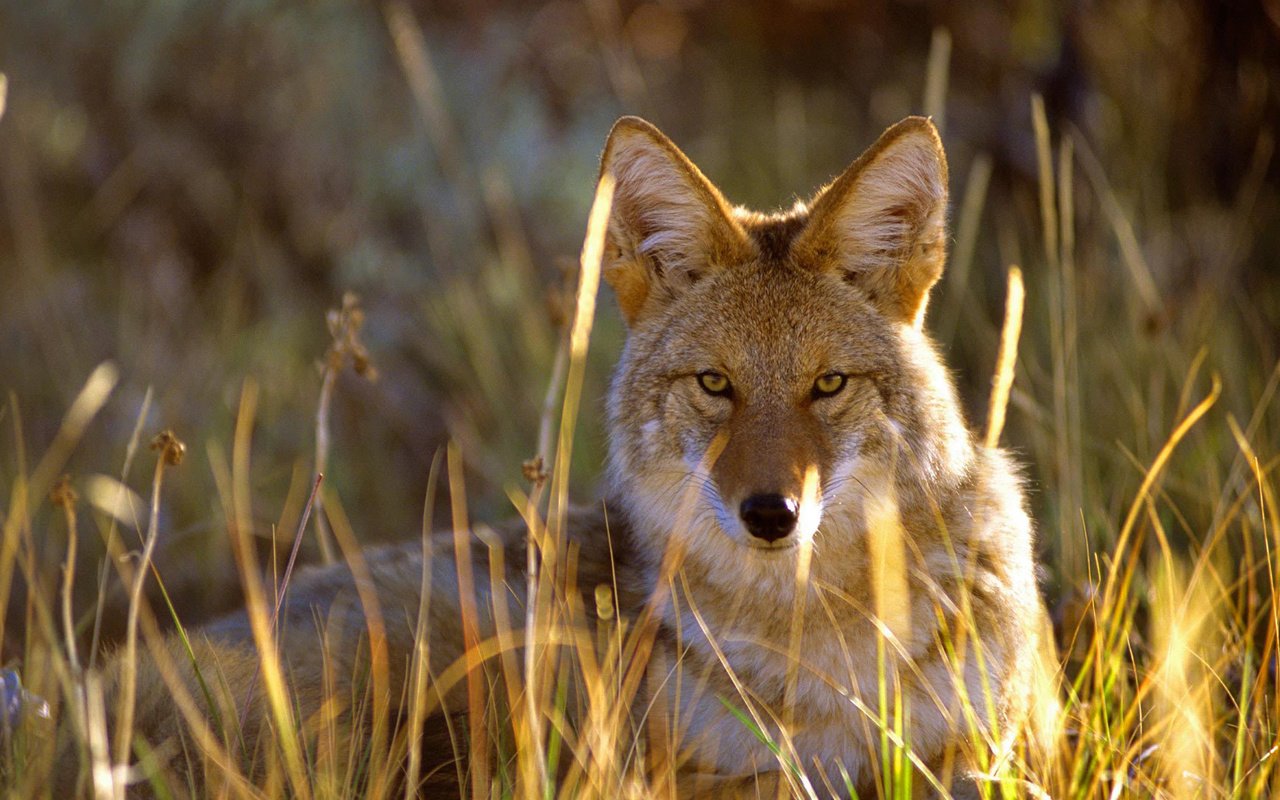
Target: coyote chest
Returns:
[[819, 675]]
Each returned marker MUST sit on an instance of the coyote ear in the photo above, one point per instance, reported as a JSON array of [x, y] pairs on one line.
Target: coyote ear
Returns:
[[669, 225], [883, 222]]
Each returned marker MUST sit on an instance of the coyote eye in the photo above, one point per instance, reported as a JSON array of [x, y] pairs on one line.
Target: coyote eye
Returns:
[[828, 385], [714, 383]]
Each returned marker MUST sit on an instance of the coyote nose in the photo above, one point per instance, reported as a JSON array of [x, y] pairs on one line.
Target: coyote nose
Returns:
[[769, 516]]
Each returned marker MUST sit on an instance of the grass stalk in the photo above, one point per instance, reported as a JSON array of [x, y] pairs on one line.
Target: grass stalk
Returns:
[[937, 69], [421, 665], [170, 453], [1002, 380]]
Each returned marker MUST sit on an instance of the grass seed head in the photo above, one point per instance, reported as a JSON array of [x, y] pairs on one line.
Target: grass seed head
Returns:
[[346, 347], [604, 601], [171, 448], [63, 495], [534, 470]]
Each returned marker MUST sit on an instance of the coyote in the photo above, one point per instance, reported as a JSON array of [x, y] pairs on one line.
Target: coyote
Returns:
[[794, 502]]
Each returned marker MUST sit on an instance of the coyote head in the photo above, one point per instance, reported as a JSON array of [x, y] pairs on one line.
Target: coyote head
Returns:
[[775, 374]]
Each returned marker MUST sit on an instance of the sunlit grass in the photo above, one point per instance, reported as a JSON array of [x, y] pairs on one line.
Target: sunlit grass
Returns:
[[1160, 533]]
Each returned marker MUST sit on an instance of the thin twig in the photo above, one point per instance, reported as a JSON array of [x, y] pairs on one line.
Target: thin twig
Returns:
[[65, 497], [297, 544], [171, 452]]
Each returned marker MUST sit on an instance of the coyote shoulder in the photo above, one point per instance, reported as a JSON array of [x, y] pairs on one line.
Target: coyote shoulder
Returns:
[[794, 502]]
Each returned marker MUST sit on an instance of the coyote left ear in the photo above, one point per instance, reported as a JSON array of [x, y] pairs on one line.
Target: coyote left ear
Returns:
[[883, 222], [669, 225]]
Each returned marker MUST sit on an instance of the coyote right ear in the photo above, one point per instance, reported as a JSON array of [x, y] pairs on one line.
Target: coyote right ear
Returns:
[[669, 224], [883, 222]]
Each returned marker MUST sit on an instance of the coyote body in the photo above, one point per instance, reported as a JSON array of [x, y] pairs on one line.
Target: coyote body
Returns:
[[794, 500]]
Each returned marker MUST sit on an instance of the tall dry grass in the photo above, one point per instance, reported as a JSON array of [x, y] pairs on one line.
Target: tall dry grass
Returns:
[[1151, 437]]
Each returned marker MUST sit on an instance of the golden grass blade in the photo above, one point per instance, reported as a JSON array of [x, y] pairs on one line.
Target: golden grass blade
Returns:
[[428, 95], [102, 381], [1067, 213], [592, 256], [103, 779], [809, 512], [508, 637], [16, 525], [580, 337], [1153, 472], [379, 659], [1182, 616], [256, 605], [113, 544], [1002, 380], [1044, 165], [94, 733], [887, 559], [208, 745], [1130, 250], [1063, 327], [936, 73], [478, 746], [960, 286], [542, 576], [421, 665], [532, 764], [1269, 511], [113, 498]]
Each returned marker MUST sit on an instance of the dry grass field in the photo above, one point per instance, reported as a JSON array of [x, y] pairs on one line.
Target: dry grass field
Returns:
[[244, 243]]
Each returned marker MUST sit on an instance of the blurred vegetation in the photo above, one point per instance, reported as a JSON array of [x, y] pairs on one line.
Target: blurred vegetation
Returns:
[[187, 187]]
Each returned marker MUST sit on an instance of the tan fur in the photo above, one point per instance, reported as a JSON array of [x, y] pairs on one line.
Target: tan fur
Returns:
[[921, 571], [838, 284]]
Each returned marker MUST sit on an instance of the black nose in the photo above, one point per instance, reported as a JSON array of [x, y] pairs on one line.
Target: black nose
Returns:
[[769, 516]]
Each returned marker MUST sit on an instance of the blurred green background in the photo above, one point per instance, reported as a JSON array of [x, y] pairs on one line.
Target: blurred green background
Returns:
[[186, 187]]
